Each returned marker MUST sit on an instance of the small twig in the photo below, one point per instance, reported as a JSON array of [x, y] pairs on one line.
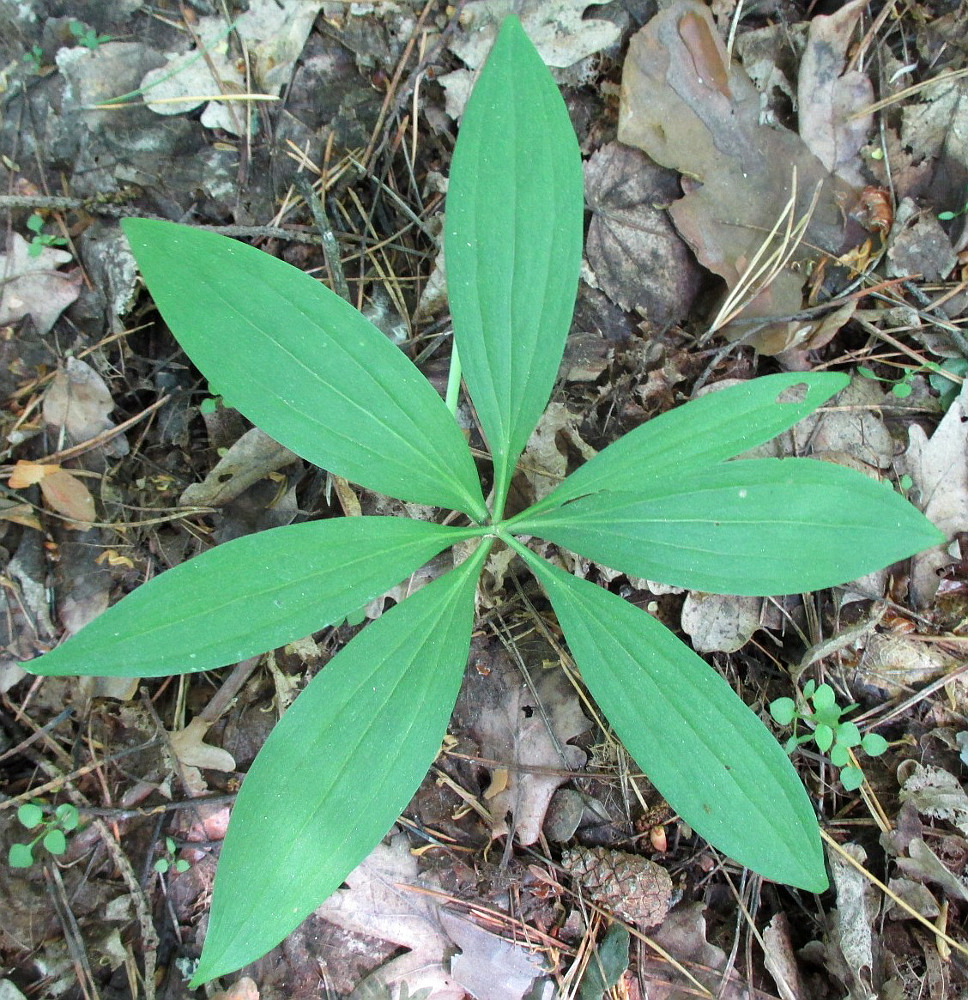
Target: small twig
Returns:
[[102, 438], [328, 239]]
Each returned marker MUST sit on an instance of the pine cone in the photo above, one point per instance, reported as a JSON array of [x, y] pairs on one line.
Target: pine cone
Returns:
[[628, 885]]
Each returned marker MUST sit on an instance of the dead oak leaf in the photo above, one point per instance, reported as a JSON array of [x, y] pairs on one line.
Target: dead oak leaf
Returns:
[[527, 730], [78, 401], [830, 97], [639, 260], [691, 109], [32, 286]]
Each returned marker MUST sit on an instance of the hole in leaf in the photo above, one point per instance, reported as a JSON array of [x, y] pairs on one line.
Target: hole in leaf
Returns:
[[793, 393]]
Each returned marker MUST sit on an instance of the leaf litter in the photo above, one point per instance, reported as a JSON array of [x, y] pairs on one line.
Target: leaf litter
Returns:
[[653, 246]]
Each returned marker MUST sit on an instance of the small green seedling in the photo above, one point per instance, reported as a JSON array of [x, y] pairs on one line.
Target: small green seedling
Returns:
[[832, 735], [52, 833], [40, 239], [948, 216], [209, 405], [668, 501], [901, 387], [169, 861], [34, 60], [87, 36]]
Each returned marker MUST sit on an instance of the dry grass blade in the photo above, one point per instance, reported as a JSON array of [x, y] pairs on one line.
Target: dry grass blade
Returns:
[[766, 264]]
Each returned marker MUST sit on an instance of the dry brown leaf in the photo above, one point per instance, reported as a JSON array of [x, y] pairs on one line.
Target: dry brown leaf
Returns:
[[779, 959], [250, 459], [26, 473], [925, 866], [62, 490], [19, 513], [32, 286], [936, 793], [192, 751], [853, 918], [639, 260], [896, 663], [690, 109], [511, 726], [560, 32], [543, 463], [919, 246], [70, 497], [720, 622], [940, 474], [382, 899], [78, 401], [829, 97]]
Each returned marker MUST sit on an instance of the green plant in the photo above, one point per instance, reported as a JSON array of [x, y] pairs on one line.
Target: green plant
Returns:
[[40, 239], [832, 735], [52, 832], [948, 216], [901, 387], [87, 36], [33, 59], [662, 503], [168, 860], [948, 388]]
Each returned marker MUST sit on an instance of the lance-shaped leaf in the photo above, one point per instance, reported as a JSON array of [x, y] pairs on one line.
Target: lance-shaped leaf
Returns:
[[754, 527], [513, 242], [249, 595], [338, 769], [708, 755], [702, 432], [305, 366]]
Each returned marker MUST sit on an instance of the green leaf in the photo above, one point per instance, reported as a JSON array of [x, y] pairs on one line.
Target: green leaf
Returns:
[[707, 754], [839, 754], [30, 815], [824, 698], [704, 431], [823, 736], [305, 366], [67, 816], [848, 734], [753, 527], [338, 769], [607, 964], [874, 744], [249, 595], [55, 841], [513, 243], [20, 856], [783, 710], [162, 865], [851, 778]]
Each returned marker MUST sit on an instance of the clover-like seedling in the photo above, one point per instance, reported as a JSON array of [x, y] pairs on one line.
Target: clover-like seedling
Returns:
[[169, 859], [667, 502], [40, 239], [832, 734], [51, 833], [86, 36]]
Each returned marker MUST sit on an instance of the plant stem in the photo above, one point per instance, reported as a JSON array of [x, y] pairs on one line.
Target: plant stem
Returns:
[[453, 381]]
